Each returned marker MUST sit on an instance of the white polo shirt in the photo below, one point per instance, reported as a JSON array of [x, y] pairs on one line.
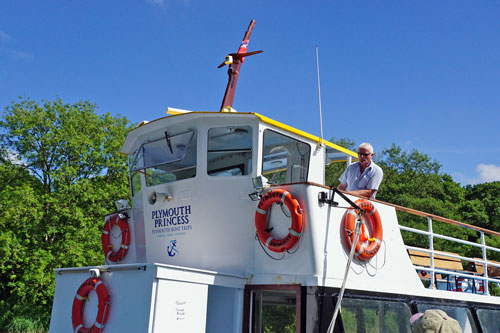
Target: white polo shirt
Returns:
[[369, 180]]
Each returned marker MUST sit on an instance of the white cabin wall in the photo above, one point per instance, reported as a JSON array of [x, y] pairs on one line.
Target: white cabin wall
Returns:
[[322, 255], [219, 234], [317, 164], [224, 309], [137, 248], [180, 306], [137, 218], [130, 292], [153, 298]]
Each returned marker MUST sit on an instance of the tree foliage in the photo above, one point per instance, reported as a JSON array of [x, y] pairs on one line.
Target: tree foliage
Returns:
[[414, 180], [333, 171], [61, 170]]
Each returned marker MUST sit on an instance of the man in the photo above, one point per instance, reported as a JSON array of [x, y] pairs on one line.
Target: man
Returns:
[[364, 177]]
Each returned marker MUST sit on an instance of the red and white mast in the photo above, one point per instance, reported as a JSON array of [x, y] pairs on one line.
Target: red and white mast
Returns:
[[235, 60]]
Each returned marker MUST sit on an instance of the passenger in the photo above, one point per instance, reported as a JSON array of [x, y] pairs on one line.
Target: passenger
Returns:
[[364, 177], [434, 321]]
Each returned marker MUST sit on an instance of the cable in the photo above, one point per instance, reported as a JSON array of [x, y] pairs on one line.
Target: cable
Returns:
[[349, 261], [264, 249]]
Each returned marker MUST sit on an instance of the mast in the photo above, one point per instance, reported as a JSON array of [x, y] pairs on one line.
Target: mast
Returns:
[[235, 60]]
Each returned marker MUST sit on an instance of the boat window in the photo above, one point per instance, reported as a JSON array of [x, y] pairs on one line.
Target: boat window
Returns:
[[166, 159], [489, 320], [461, 314], [284, 160], [274, 311], [365, 315], [135, 176], [229, 151], [135, 182]]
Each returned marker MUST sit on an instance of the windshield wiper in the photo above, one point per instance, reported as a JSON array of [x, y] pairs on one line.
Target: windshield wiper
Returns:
[[168, 143]]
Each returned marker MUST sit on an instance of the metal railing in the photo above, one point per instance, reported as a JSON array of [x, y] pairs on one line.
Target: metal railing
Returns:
[[484, 277], [432, 252]]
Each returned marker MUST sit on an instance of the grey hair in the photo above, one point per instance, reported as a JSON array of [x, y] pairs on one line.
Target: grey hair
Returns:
[[366, 145]]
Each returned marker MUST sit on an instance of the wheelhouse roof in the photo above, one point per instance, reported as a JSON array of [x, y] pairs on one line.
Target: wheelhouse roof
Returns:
[[335, 152]]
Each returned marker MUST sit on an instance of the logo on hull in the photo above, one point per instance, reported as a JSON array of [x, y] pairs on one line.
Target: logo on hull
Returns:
[[171, 250]]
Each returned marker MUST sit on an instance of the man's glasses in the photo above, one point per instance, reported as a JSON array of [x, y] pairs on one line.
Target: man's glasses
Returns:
[[364, 154]]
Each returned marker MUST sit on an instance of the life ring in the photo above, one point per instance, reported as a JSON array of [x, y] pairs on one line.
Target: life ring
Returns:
[[102, 307], [107, 247], [464, 284], [295, 230], [364, 251]]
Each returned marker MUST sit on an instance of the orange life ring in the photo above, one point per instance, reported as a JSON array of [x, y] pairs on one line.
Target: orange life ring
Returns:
[[102, 307], [294, 232], [364, 251], [107, 247]]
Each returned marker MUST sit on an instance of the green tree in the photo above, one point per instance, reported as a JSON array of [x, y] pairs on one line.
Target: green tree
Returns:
[[483, 209], [489, 195], [333, 171], [412, 179], [62, 172]]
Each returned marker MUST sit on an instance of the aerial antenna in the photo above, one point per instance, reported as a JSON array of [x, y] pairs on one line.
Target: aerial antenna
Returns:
[[319, 96], [234, 60]]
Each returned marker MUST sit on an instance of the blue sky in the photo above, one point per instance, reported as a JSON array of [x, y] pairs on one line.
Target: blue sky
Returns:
[[422, 74]]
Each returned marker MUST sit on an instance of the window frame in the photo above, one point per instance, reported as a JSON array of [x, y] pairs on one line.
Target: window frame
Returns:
[[286, 166]]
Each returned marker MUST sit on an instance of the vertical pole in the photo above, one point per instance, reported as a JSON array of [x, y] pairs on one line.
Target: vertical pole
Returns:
[[357, 232], [381, 315], [485, 264], [319, 96], [431, 254]]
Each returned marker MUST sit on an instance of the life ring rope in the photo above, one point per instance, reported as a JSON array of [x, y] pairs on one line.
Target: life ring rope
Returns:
[[285, 198]]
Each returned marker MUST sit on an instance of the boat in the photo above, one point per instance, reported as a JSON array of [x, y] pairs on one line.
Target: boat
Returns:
[[231, 228]]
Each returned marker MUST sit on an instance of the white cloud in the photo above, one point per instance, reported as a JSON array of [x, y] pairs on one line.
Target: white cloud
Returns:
[[464, 180], [488, 172], [15, 54], [165, 3], [4, 37], [160, 3], [485, 173], [21, 55]]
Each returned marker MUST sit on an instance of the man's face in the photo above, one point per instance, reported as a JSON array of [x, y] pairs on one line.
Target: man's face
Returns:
[[365, 157]]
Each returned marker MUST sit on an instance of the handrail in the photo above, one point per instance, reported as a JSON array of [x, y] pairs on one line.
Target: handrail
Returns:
[[409, 210], [431, 235], [439, 218]]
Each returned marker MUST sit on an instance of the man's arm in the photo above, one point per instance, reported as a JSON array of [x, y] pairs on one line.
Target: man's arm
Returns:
[[364, 193]]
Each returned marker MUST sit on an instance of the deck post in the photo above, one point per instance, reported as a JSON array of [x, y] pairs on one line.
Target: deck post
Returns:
[[431, 254], [485, 263]]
